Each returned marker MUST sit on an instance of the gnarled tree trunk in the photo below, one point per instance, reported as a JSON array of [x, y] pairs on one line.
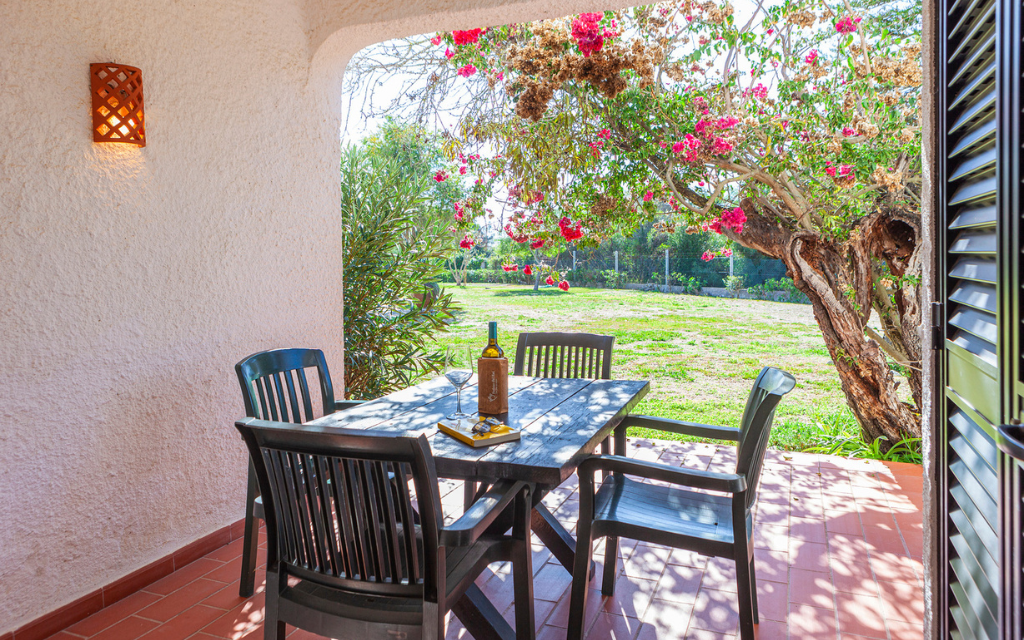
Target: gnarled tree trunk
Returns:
[[844, 285]]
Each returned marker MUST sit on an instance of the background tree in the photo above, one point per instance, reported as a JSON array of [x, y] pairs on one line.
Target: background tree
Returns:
[[391, 261], [794, 131]]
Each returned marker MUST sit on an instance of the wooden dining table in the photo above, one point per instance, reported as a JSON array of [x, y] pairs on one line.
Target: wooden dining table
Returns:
[[562, 420]]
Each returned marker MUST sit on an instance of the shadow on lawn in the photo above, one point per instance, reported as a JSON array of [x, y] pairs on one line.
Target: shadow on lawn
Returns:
[[544, 291]]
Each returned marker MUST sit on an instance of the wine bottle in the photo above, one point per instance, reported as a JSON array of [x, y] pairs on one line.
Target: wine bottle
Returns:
[[492, 374], [492, 350]]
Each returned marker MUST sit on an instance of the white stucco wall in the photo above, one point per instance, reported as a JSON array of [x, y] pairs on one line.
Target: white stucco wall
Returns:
[[132, 280]]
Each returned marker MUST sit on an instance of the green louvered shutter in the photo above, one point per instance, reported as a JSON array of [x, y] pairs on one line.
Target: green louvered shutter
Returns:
[[979, 165]]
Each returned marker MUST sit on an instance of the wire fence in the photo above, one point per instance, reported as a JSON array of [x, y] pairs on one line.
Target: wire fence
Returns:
[[745, 274]]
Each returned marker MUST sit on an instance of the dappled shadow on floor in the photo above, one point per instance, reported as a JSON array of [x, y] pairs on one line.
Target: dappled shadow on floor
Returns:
[[838, 550]]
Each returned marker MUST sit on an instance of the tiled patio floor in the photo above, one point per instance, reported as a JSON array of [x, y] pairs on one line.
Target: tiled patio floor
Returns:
[[838, 552]]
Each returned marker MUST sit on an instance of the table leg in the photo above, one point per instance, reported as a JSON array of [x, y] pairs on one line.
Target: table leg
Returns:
[[481, 618], [554, 536]]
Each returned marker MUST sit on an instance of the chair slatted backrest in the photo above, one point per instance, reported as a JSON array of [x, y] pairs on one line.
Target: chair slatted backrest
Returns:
[[275, 387], [564, 355], [333, 515], [756, 425]]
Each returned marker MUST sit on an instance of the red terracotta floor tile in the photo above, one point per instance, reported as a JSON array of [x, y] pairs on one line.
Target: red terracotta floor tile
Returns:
[[720, 575], [807, 529], [551, 582], [902, 600], [131, 627], [812, 588], [669, 619], [811, 623], [630, 598], [183, 576], [812, 556], [899, 630], [716, 611], [771, 600], [771, 565], [771, 630], [185, 623], [679, 584], [860, 614], [609, 626], [237, 621], [182, 599], [113, 614]]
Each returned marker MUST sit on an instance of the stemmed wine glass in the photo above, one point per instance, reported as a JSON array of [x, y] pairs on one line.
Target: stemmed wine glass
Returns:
[[459, 364]]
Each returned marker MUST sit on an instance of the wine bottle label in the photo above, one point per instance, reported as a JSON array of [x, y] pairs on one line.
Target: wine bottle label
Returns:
[[492, 387]]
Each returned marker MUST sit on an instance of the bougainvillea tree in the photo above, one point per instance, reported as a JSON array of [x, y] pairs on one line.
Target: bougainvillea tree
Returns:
[[793, 130]]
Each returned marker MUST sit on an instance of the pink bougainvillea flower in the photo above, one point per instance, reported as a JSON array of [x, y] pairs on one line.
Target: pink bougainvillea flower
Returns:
[[537, 244], [527, 270], [707, 256], [771, 31], [459, 216], [436, 40], [720, 146], [678, 147], [847, 131], [605, 134], [727, 122], [467, 37], [701, 183], [847, 25], [516, 235], [448, 53], [702, 126], [734, 219], [466, 243], [514, 267], [462, 170], [588, 34], [811, 57], [500, 77], [550, 280], [440, 176], [727, 253], [648, 196], [663, 144], [466, 70], [564, 285]]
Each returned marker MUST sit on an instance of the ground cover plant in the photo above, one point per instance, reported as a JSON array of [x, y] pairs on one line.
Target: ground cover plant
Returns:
[[701, 354]]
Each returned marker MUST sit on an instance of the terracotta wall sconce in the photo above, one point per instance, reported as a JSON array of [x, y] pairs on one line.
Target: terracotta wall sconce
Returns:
[[117, 114]]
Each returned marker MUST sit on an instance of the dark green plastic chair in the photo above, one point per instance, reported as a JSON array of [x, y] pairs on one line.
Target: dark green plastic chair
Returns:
[[274, 387], [710, 524], [564, 355], [347, 558]]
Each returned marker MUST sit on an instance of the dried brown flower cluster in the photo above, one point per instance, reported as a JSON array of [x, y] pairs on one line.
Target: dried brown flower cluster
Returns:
[[802, 18], [890, 99], [715, 14], [543, 67], [602, 206], [907, 135], [835, 144], [668, 226], [845, 182], [903, 72], [864, 128], [891, 180]]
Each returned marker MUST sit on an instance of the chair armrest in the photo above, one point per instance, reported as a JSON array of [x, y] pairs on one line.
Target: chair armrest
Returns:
[[724, 482], [678, 426], [341, 405], [481, 514]]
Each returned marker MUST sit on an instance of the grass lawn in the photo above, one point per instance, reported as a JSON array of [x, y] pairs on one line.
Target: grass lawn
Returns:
[[700, 354]]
